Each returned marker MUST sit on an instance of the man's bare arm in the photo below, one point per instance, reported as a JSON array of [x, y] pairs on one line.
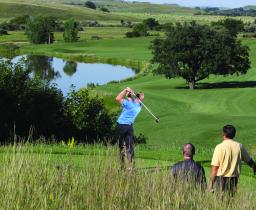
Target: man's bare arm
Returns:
[[120, 96]]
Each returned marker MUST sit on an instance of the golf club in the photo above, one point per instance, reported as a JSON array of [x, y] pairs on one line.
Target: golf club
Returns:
[[156, 118]]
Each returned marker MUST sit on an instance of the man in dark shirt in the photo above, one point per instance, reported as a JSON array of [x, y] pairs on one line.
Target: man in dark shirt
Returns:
[[188, 171]]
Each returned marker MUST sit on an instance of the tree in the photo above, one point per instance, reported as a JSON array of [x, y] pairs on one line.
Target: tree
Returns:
[[194, 51], [40, 29], [232, 25], [103, 9], [90, 4], [71, 30], [138, 30], [41, 66], [151, 23]]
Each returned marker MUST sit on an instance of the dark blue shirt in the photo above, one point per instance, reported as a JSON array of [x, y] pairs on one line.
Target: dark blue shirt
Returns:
[[190, 172]]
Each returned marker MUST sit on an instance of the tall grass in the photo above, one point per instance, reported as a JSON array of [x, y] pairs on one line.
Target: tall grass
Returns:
[[40, 181]]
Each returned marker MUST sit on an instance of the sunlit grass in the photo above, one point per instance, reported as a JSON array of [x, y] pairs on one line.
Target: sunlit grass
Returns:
[[31, 180]]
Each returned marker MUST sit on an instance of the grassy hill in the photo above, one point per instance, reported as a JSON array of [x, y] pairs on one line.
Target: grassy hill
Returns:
[[137, 7], [18, 8]]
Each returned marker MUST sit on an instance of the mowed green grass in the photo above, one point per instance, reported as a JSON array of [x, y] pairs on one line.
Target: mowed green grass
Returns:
[[136, 49], [197, 116], [87, 34]]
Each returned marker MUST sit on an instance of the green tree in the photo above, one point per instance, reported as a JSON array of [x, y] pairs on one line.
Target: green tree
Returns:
[[71, 30], [232, 25], [151, 23], [40, 29], [138, 30], [194, 51], [90, 4]]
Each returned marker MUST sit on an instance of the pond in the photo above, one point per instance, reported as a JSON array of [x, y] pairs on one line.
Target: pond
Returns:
[[66, 73]]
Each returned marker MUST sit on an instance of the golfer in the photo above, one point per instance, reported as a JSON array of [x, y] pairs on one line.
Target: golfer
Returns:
[[226, 162], [188, 171], [124, 128]]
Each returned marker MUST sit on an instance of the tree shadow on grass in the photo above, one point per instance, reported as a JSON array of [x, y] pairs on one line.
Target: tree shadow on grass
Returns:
[[231, 84]]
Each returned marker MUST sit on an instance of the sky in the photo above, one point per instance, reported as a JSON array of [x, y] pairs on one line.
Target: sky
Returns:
[[211, 3]]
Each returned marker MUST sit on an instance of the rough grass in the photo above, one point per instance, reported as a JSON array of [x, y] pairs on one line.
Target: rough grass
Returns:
[[32, 180]]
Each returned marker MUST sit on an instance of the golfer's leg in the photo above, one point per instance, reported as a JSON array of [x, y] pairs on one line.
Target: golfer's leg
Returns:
[[120, 139], [130, 151]]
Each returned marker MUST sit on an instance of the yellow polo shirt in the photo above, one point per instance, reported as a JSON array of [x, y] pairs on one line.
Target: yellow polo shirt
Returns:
[[228, 155]]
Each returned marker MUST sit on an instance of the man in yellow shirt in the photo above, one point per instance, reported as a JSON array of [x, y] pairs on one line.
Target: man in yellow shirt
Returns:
[[226, 162]]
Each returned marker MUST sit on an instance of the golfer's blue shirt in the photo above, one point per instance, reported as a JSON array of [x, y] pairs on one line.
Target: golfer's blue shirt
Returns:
[[130, 111]]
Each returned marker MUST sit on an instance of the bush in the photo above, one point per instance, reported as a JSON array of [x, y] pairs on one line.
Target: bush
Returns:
[[17, 23], [103, 9], [3, 32], [140, 139], [89, 116], [27, 103], [95, 37], [30, 104], [90, 4], [131, 34], [151, 23], [138, 30]]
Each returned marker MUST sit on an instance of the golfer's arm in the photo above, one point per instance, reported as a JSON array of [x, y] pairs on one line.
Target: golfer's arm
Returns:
[[252, 164], [120, 96], [213, 174]]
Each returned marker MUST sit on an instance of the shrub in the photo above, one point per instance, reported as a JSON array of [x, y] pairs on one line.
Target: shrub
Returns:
[[95, 37], [31, 104], [140, 139], [131, 34], [3, 32], [89, 116], [103, 9], [90, 4]]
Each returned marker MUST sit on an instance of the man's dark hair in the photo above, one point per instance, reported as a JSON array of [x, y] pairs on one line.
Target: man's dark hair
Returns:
[[229, 131], [189, 150]]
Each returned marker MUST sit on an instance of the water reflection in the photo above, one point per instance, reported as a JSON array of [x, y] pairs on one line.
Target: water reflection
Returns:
[[41, 66], [66, 73], [70, 68]]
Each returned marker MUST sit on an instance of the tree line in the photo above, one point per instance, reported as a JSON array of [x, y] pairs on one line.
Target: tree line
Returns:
[[40, 29]]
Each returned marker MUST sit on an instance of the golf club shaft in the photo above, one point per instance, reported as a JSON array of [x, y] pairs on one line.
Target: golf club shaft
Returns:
[[146, 107]]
